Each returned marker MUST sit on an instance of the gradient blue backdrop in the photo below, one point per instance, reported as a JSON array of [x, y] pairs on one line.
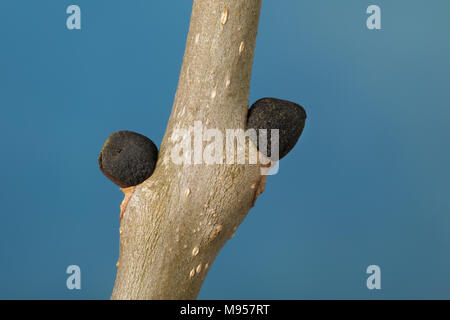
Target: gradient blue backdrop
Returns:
[[367, 184]]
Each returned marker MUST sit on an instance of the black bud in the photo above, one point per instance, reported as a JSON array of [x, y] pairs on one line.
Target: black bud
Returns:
[[127, 158], [270, 113]]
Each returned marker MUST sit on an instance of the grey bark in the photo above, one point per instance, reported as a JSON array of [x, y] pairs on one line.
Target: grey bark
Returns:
[[177, 220]]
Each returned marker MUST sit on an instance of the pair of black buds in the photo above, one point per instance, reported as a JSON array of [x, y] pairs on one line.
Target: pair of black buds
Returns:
[[128, 158]]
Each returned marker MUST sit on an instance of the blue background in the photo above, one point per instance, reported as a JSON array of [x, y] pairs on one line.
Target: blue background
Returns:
[[367, 184]]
